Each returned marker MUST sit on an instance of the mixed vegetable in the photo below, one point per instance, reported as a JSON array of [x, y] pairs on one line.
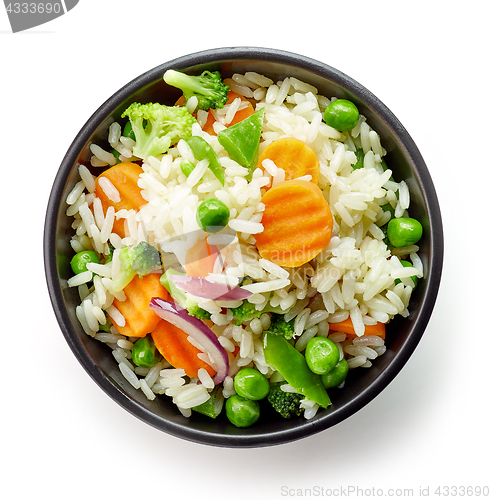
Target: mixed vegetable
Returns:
[[161, 310]]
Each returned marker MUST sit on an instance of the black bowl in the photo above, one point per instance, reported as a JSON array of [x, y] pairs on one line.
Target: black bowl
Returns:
[[362, 385]]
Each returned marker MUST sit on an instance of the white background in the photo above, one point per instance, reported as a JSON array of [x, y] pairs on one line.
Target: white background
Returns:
[[62, 437]]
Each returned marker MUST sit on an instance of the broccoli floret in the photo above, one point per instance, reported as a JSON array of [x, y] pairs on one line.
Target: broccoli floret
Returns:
[[245, 312], [139, 260], [207, 87], [281, 327], [287, 404], [197, 311], [144, 258], [157, 127]]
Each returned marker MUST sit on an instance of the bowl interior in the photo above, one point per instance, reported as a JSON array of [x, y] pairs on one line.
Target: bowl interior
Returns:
[[403, 158]]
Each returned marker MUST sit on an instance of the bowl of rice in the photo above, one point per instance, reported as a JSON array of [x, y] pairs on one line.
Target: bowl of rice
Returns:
[[356, 290]]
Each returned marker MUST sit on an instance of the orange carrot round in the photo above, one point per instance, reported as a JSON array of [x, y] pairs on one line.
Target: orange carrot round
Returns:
[[242, 114], [200, 259], [295, 157], [124, 177], [297, 223], [140, 319], [173, 344], [346, 326]]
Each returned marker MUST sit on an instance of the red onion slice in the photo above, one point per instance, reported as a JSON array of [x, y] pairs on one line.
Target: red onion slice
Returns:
[[197, 330], [201, 287]]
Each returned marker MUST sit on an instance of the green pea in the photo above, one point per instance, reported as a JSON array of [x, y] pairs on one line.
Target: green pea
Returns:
[[336, 376], [81, 259], [321, 355], [242, 412], [404, 231], [342, 115], [293, 366], [405, 263], [128, 131], [251, 384], [212, 215], [145, 353]]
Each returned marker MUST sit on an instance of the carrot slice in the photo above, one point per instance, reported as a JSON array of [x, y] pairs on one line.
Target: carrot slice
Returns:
[[124, 177], [346, 326], [297, 223], [140, 319], [295, 157], [173, 344], [200, 259], [242, 114], [239, 116]]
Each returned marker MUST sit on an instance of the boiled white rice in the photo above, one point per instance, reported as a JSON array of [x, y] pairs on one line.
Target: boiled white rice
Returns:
[[355, 275]]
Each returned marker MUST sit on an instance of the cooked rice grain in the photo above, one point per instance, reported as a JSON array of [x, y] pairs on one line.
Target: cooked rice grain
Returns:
[[355, 275]]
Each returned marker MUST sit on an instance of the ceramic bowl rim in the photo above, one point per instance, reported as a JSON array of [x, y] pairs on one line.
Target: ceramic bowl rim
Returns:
[[204, 58]]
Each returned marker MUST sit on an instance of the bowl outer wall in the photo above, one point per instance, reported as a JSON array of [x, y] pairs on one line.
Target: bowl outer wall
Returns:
[[362, 385]]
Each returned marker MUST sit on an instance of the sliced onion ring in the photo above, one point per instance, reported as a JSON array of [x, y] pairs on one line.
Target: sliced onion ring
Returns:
[[200, 287], [196, 329]]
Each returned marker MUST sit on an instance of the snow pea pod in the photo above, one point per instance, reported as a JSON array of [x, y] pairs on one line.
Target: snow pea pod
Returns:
[[187, 167], [292, 365], [213, 407], [201, 151], [241, 141]]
